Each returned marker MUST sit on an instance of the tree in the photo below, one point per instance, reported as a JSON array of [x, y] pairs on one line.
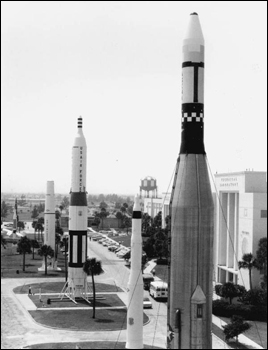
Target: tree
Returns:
[[46, 251], [123, 210], [57, 242], [127, 223], [35, 212], [248, 262], [103, 205], [261, 260], [41, 208], [34, 244], [146, 223], [22, 201], [3, 242], [21, 225], [103, 214], [4, 210], [39, 228], [92, 267], [24, 246], [229, 290], [157, 221], [119, 217], [236, 327], [65, 202], [64, 243]]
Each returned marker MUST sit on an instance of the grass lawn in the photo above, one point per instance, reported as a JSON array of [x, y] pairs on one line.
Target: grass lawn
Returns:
[[10, 263], [81, 320], [124, 240], [85, 345], [102, 300], [56, 287]]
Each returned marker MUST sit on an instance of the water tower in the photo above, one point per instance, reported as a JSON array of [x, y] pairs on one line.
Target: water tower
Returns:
[[148, 185]]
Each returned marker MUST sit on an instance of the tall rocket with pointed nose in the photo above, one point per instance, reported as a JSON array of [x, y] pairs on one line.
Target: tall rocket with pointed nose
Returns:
[[135, 284], [78, 215], [191, 208]]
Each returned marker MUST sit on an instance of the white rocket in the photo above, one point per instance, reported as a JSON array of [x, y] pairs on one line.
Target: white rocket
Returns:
[[78, 216], [15, 219], [49, 221], [135, 284]]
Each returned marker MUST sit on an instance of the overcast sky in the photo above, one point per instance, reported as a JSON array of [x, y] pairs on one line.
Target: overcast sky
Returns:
[[118, 65]]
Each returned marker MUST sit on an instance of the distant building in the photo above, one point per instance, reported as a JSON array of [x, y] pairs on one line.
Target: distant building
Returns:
[[241, 220], [152, 206]]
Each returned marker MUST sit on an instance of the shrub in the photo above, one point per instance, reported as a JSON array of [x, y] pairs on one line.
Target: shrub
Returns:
[[229, 290], [255, 296], [162, 261], [236, 327], [222, 308]]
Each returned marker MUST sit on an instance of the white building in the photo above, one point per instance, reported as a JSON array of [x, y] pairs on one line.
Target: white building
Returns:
[[153, 206], [240, 222]]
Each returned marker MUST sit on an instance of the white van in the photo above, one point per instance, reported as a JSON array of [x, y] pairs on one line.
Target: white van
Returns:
[[158, 289]]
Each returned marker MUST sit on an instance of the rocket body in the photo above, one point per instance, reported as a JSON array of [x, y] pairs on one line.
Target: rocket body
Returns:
[[135, 284], [49, 215], [191, 207], [78, 215], [49, 221], [15, 219]]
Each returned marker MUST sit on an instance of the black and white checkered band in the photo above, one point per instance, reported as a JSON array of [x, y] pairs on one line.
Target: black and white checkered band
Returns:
[[192, 117]]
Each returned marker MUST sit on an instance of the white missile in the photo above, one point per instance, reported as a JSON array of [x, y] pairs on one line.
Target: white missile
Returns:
[[49, 221], [135, 284], [78, 216], [15, 219]]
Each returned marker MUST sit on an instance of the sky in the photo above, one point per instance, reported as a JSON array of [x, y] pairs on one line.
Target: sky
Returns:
[[118, 65]]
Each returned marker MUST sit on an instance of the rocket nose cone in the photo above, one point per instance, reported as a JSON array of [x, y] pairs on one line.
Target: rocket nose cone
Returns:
[[194, 30], [136, 206]]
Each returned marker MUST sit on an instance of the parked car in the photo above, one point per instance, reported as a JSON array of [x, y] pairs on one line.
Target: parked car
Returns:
[[147, 304], [112, 248], [97, 238]]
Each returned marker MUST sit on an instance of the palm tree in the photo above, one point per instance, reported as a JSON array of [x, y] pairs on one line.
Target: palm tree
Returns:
[[34, 244], [46, 251], [3, 242], [92, 268], [248, 262], [64, 243], [24, 246], [57, 242]]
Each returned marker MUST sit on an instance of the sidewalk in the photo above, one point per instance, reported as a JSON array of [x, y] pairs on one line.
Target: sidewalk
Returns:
[[217, 342]]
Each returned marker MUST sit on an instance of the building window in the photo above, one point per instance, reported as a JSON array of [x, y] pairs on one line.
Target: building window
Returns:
[[245, 212], [199, 310], [263, 213]]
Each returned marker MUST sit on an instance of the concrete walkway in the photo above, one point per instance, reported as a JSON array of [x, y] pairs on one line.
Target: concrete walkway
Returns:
[[217, 342]]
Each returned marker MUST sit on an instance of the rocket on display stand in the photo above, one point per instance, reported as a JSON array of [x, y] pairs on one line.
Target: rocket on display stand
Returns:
[[135, 284], [78, 216], [191, 208]]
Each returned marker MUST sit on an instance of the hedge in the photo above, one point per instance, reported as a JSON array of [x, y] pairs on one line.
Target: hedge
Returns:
[[249, 312]]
